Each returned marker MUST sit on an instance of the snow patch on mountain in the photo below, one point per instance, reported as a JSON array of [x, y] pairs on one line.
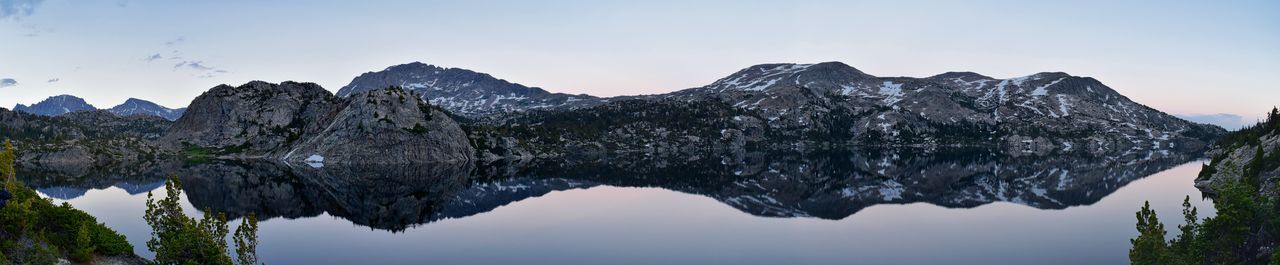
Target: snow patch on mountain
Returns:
[[891, 91]]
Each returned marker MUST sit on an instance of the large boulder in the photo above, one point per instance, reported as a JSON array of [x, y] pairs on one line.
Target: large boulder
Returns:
[[388, 126], [302, 122], [254, 119]]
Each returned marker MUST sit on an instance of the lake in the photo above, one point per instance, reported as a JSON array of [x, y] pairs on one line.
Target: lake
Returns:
[[832, 207]]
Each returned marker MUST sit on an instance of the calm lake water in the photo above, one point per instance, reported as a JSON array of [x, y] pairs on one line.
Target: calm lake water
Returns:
[[830, 208]]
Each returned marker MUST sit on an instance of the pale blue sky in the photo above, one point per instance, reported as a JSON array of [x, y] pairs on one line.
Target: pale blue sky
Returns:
[[1178, 56]]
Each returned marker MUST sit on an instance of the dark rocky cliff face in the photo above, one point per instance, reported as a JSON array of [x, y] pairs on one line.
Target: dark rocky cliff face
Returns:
[[254, 119], [303, 122], [388, 126]]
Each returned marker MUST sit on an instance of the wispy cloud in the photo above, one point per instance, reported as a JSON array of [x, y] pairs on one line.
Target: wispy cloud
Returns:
[[196, 65], [54, 80], [212, 74], [175, 42], [205, 71], [16, 9], [33, 30], [8, 82], [201, 69]]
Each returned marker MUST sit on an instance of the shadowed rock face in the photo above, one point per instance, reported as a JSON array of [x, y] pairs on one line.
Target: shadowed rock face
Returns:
[[829, 185], [256, 118], [299, 122], [388, 126]]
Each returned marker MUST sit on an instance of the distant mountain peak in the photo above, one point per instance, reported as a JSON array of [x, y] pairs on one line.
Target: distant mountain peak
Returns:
[[55, 106], [833, 67], [135, 106], [832, 96], [764, 76], [836, 69], [962, 76], [464, 91], [1050, 75], [413, 65]]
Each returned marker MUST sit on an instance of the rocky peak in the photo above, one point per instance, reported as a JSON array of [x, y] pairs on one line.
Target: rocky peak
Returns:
[[302, 122], [387, 126], [834, 66], [419, 76], [257, 117], [257, 88], [56, 105], [960, 77], [765, 76], [836, 100], [415, 67], [463, 91], [134, 106], [1051, 75], [135, 101]]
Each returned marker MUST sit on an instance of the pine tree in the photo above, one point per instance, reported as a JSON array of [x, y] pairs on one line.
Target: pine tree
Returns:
[[1149, 248], [246, 238], [82, 249], [179, 239], [1255, 166], [1186, 248], [7, 172], [1225, 235]]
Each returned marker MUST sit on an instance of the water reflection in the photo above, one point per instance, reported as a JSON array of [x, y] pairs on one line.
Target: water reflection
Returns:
[[827, 185]]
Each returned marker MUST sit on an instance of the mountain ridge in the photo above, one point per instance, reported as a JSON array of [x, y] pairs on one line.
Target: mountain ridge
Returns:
[[765, 106], [463, 91], [135, 106], [834, 103], [56, 105], [64, 104]]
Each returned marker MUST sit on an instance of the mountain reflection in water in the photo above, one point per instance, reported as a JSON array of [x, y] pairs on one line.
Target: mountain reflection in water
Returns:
[[827, 185]]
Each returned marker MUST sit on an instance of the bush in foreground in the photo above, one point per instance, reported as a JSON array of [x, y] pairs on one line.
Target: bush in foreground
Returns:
[[33, 230], [179, 239]]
